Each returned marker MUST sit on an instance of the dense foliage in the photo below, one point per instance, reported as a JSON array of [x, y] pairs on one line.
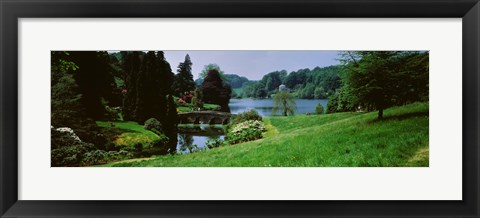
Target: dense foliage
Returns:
[[246, 131], [319, 109], [376, 80], [283, 102], [147, 83], [245, 116], [122, 86], [184, 79], [215, 143], [153, 125], [215, 91], [318, 83]]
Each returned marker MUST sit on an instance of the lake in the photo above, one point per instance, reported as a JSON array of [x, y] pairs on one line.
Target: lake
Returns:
[[191, 137], [265, 106]]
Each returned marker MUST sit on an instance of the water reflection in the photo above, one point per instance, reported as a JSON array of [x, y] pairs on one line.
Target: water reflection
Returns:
[[264, 107], [193, 138]]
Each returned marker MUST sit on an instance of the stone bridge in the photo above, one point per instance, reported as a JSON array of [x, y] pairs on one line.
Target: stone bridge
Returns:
[[204, 117]]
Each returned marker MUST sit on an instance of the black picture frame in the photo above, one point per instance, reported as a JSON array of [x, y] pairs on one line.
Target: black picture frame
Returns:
[[12, 10]]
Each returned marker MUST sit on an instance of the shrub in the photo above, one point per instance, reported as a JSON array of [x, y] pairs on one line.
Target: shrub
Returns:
[[187, 97], [62, 139], [101, 157], [247, 115], [319, 109], [214, 143], [110, 146], [195, 148], [67, 148], [111, 113], [95, 157], [163, 140], [70, 155], [138, 147], [246, 131], [153, 125], [119, 155]]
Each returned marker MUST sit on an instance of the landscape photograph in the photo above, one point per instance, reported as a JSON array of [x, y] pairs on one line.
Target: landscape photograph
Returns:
[[239, 108]]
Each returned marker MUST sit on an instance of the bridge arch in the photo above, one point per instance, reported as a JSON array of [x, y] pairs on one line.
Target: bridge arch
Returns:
[[207, 117], [197, 120], [215, 120]]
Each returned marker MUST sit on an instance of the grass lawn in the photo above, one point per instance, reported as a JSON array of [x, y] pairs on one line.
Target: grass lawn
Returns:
[[127, 133], [329, 140]]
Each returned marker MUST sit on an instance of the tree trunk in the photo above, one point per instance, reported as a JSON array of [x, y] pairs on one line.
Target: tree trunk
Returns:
[[380, 114]]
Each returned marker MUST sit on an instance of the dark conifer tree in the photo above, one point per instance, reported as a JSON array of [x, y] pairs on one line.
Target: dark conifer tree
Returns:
[[184, 79], [171, 123], [167, 77], [149, 80], [142, 99], [131, 67], [95, 80]]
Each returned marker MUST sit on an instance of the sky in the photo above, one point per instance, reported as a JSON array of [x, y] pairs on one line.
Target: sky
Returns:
[[253, 64]]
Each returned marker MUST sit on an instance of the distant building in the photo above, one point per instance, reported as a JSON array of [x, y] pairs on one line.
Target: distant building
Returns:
[[282, 88]]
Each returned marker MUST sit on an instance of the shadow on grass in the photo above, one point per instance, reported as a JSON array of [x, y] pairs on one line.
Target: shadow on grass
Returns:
[[399, 117]]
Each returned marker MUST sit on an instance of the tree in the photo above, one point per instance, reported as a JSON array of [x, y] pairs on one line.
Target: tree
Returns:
[[184, 79], [210, 67], [131, 66], [371, 78], [319, 109], [235, 80], [94, 79], [171, 125], [67, 109], [261, 93], [215, 91], [284, 102], [380, 79], [320, 93], [148, 81], [197, 101]]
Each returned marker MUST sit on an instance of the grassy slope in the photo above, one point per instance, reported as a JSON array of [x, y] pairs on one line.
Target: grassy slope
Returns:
[[127, 133], [342, 139]]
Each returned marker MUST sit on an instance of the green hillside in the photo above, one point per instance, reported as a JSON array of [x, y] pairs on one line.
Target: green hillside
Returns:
[[329, 140]]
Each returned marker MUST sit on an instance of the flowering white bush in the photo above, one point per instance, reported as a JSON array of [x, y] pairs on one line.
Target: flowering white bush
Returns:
[[249, 124], [246, 131], [69, 132]]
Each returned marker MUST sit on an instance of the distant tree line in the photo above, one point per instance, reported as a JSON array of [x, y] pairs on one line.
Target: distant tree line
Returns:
[[318, 83]]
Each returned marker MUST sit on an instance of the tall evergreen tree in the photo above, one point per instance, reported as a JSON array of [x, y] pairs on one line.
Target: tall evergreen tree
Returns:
[[131, 67], [184, 79], [149, 79], [65, 97], [143, 98], [171, 124], [95, 80], [67, 109]]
